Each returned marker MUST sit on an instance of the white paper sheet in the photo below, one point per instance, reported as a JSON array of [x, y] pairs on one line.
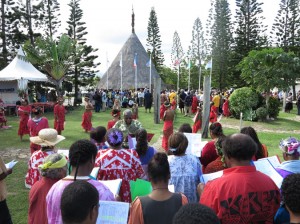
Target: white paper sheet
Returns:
[[273, 160], [65, 152], [94, 172], [113, 185], [211, 176], [266, 167], [11, 164], [111, 212], [195, 145]]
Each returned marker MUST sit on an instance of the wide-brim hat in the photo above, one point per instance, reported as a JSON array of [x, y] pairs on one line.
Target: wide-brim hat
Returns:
[[47, 137]]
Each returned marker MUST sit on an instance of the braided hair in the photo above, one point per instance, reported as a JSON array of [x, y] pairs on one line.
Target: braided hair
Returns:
[[81, 152], [141, 142]]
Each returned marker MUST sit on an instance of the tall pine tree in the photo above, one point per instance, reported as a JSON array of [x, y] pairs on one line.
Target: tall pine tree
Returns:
[[154, 41], [221, 42], [177, 56], [50, 17], [84, 68]]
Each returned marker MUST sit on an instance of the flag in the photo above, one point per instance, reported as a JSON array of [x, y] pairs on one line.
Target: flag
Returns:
[[189, 65], [135, 60], [121, 61], [148, 64], [177, 62], [209, 64]]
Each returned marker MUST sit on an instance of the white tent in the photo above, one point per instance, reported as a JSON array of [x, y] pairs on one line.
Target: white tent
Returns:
[[15, 77], [21, 70]]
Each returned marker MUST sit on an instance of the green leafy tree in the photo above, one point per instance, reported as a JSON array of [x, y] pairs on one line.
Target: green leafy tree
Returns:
[[154, 42], [84, 65], [221, 42], [53, 57]]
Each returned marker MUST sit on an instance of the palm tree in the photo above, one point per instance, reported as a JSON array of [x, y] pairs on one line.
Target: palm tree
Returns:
[[53, 57]]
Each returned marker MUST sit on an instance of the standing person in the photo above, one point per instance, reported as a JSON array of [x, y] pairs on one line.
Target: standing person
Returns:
[[242, 194], [213, 117], [4, 211], [59, 115], [135, 111], [104, 100], [116, 117], [47, 139], [24, 113], [160, 205], [148, 101], [52, 170], [141, 98], [36, 124], [117, 162], [185, 168], [225, 108], [289, 103], [194, 103], [87, 115], [168, 126], [172, 96], [182, 97], [98, 100], [163, 97], [187, 104], [298, 103], [82, 156], [197, 120], [217, 100]]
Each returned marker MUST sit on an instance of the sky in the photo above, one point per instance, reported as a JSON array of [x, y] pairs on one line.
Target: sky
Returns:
[[109, 22]]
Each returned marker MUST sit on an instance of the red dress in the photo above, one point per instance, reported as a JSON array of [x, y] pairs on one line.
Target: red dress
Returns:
[[213, 116], [194, 104], [33, 174], [110, 124], [167, 132], [173, 105], [208, 154], [214, 166], [34, 126], [59, 117], [162, 110], [124, 164], [87, 120], [24, 112], [225, 108], [197, 123]]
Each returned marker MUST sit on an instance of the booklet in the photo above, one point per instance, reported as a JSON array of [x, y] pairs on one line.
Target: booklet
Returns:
[[113, 185], [210, 176], [195, 145], [11, 164], [112, 212], [274, 160], [94, 172]]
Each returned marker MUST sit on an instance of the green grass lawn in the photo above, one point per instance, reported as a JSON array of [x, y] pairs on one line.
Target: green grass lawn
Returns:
[[270, 133]]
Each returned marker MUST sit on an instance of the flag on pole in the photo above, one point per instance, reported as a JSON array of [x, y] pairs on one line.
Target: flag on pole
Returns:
[[189, 65], [121, 63], [135, 60], [209, 64]]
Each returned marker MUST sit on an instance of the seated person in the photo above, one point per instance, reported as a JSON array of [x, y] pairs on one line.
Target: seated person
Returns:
[[160, 205], [79, 203], [230, 196]]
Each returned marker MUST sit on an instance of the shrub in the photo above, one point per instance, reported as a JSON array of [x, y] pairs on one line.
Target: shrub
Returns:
[[273, 109], [250, 115], [242, 100], [262, 113]]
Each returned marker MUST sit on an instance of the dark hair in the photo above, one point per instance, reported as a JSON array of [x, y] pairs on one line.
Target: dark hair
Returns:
[[77, 201], [114, 137], [239, 146], [195, 213], [98, 134], [159, 168], [179, 142], [216, 129], [290, 192], [141, 142], [81, 152], [252, 133], [185, 128], [37, 110]]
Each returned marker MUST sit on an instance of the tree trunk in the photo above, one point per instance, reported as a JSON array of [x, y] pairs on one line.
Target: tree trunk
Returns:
[[3, 34], [206, 106], [76, 85]]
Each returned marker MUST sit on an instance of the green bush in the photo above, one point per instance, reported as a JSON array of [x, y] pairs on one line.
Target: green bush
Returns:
[[273, 109], [261, 113], [250, 115], [242, 100]]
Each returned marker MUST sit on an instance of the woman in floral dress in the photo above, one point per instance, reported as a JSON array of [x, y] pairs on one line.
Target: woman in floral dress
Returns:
[[117, 162]]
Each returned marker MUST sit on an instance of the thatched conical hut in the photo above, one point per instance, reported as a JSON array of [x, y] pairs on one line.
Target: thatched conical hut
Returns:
[[125, 58]]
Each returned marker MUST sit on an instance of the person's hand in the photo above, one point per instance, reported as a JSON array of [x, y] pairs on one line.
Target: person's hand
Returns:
[[9, 171], [200, 188]]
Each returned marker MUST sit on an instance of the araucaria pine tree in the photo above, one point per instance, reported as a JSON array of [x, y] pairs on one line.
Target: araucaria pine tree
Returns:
[[84, 68], [50, 16], [154, 41]]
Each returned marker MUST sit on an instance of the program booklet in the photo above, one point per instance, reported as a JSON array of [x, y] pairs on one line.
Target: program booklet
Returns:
[[112, 212]]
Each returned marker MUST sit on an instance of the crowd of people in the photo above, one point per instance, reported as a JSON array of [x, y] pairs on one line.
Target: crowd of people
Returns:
[[62, 189]]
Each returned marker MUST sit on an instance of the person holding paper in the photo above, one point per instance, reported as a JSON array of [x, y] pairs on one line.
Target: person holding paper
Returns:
[[168, 125], [160, 205], [242, 194], [82, 156], [117, 162], [4, 211], [23, 112], [185, 168], [209, 152], [80, 203], [47, 139], [290, 151], [53, 169]]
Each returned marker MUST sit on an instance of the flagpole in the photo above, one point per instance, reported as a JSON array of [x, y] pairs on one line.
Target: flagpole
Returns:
[[121, 63], [135, 73], [189, 75], [150, 72], [107, 63], [210, 71]]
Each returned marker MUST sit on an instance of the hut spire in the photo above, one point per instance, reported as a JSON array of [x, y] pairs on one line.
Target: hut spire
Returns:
[[132, 20]]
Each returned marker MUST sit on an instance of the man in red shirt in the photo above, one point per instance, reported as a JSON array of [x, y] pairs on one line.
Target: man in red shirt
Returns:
[[242, 194]]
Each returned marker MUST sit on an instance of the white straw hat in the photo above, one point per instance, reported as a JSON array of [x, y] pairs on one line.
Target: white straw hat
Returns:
[[47, 137]]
